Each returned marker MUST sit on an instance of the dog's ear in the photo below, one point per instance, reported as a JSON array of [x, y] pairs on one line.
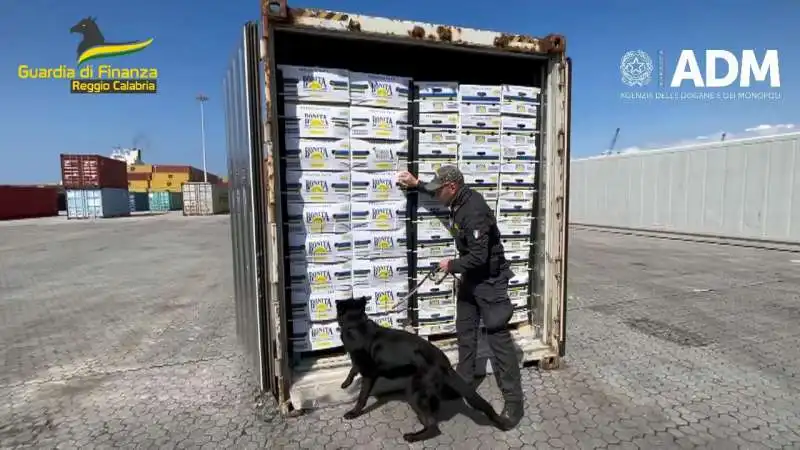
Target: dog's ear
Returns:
[[361, 302]]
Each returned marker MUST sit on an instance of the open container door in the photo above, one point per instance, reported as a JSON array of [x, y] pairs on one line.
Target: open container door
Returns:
[[565, 209], [244, 135]]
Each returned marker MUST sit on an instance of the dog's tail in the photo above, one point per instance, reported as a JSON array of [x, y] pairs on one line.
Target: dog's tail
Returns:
[[454, 381]]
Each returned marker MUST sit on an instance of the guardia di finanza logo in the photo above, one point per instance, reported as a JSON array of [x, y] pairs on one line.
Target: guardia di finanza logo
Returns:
[[102, 78]]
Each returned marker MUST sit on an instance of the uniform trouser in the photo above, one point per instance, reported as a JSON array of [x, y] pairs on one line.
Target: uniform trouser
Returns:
[[488, 300]]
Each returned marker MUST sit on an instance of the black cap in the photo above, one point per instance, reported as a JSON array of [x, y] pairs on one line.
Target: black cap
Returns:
[[445, 174]]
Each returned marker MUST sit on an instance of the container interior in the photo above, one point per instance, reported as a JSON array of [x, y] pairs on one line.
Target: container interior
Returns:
[[405, 57]]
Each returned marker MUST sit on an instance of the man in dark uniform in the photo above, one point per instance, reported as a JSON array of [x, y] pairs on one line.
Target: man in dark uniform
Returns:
[[483, 292]]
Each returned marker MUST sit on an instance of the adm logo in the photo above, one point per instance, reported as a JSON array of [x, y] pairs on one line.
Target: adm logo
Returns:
[[103, 78]]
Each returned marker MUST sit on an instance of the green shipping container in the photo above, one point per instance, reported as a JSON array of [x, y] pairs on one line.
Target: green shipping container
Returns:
[[165, 201]]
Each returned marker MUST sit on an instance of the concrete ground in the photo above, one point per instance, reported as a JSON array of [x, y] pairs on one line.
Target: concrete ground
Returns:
[[120, 333]]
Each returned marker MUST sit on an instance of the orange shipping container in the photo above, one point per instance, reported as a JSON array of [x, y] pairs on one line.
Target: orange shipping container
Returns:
[[170, 182], [138, 185], [139, 176]]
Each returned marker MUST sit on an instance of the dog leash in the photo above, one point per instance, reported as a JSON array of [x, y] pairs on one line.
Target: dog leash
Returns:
[[430, 276]]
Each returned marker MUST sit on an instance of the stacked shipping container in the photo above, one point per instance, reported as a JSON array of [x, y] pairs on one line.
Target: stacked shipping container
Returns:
[[96, 186], [204, 199]]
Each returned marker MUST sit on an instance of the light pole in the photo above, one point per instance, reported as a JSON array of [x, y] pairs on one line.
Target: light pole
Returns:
[[202, 99]]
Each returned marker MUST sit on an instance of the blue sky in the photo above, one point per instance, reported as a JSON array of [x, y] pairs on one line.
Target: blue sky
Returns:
[[194, 40]]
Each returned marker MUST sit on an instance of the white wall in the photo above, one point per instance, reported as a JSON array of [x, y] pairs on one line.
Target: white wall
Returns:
[[747, 188]]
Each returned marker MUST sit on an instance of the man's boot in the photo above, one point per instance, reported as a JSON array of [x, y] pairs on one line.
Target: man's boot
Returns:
[[513, 412]]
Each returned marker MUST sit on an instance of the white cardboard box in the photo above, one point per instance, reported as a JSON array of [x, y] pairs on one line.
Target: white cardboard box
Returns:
[[446, 121], [320, 248], [436, 136], [316, 121], [436, 90], [317, 154], [318, 217], [378, 123], [477, 93], [518, 139], [383, 299], [310, 277], [486, 109], [437, 152], [380, 244], [308, 336], [516, 123], [317, 187], [315, 84], [387, 215], [480, 138], [369, 89], [481, 122], [375, 186], [380, 272], [514, 208], [379, 155], [488, 153]]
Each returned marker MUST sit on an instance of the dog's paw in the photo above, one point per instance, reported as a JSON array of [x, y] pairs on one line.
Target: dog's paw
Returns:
[[346, 383], [352, 414], [411, 437]]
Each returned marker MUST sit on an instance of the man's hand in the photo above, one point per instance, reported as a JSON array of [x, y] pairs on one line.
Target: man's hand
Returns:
[[444, 265], [406, 180]]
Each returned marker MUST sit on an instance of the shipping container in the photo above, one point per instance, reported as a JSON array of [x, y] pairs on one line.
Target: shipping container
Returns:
[[139, 176], [139, 201], [169, 182], [171, 168], [23, 202], [140, 168], [92, 172], [257, 105], [204, 199], [163, 201], [97, 203], [138, 186]]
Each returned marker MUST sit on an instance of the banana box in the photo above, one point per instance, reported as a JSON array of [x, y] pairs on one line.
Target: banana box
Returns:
[[309, 336], [518, 139], [435, 245], [314, 84], [300, 294], [433, 226], [480, 138], [375, 186], [488, 184], [518, 123], [438, 152], [479, 93], [318, 218], [378, 156], [426, 170], [389, 320], [520, 100], [436, 305], [514, 208], [518, 167], [380, 272], [481, 109], [490, 153], [317, 187], [520, 315], [447, 121], [439, 326], [386, 91], [317, 154], [378, 216], [437, 96], [516, 195], [436, 136], [518, 181], [517, 243], [383, 299], [312, 277], [316, 121], [321, 306], [513, 227], [320, 248], [518, 291], [525, 155], [378, 123], [481, 122], [380, 244], [428, 208], [519, 261]]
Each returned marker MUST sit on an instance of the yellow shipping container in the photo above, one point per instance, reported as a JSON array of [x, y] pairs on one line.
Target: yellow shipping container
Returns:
[[168, 181], [140, 168], [138, 185]]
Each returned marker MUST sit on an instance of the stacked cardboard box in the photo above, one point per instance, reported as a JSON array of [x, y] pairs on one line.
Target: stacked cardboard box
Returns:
[[515, 208], [437, 136], [347, 232], [379, 148]]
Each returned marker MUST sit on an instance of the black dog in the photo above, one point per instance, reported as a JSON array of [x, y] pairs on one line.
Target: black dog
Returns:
[[376, 351]]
